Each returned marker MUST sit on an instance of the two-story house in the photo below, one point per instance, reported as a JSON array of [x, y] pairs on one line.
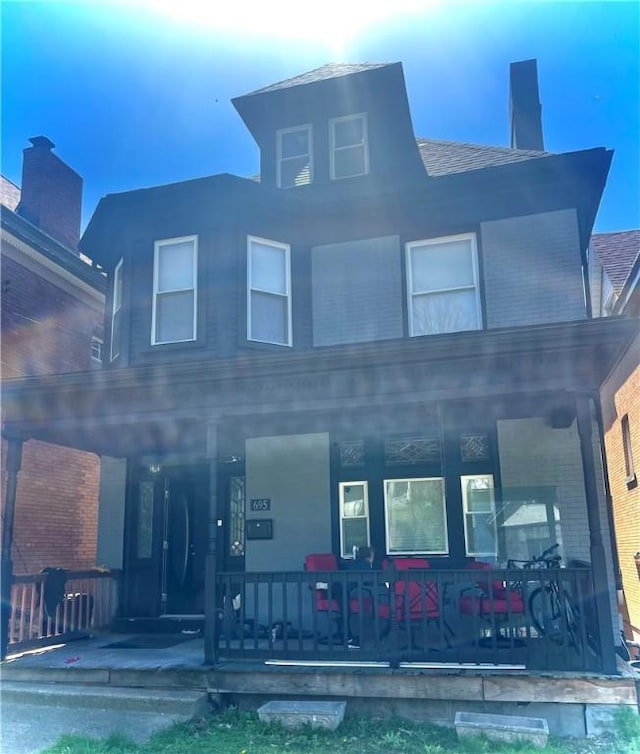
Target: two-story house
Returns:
[[384, 341]]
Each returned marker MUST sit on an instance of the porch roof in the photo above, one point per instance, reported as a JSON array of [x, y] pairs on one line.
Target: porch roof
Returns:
[[168, 407]]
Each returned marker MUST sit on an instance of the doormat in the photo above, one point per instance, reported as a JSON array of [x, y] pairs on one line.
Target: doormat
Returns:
[[149, 641]]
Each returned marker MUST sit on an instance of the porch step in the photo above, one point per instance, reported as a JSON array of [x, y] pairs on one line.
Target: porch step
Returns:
[[183, 704]]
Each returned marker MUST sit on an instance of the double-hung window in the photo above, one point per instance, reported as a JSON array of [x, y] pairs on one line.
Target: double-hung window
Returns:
[[442, 285], [116, 312], [269, 291], [479, 503], [349, 146], [174, 290], [354, 517], [294, 158]]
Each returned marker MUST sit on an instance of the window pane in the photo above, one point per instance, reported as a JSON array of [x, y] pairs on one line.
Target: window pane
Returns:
[[236, 516], [437, 267], [117, 288], [353, 500], [268, 268], [175, 266], [415, 516], [348, 162], [294, 143], [174, 317], [295, 172], [348, 132], [355, 533], [269, 318], [481, 534], [116, 334], [444, 312], [144, 522]]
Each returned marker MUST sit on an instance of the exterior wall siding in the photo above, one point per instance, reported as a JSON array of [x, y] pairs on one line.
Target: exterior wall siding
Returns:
[[357, 291], [111, 512], [532, 270], [531, 454]]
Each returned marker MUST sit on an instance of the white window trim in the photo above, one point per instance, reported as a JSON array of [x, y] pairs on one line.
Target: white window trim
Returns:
[[96, 341], [466, 512], [287, 250], [365, 485], [280, 159], [156, 249], [333, 149], [445, 551], [411, 294], [116, 306]]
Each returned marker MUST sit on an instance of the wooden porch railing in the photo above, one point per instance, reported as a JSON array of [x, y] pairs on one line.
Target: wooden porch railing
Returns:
[[537, 619], [88, 600]]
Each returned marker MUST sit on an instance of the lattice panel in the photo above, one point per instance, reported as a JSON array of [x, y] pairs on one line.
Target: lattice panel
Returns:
[[352, 453], [474, 447], [410, 451]]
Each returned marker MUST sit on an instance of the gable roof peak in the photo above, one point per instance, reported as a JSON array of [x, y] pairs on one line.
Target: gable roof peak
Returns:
[[324, 72]]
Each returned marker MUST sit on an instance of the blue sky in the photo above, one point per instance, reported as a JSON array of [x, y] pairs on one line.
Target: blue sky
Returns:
[[138, 93]]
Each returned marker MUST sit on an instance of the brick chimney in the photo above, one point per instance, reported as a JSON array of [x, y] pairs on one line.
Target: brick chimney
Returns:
[[51, 193], [525, 112]]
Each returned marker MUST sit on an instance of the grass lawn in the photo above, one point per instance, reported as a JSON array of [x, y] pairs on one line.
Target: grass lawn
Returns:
[[234, 732]]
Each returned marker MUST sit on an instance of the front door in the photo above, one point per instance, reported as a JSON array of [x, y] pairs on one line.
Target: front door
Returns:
[[166, 542]]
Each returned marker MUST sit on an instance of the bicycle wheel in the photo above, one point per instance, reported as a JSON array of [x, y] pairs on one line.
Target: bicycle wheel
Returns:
[[573, 623], [545, 613]]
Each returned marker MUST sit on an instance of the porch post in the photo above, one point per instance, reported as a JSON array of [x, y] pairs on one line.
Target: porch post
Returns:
[[211, 595], [598, 562], [14, 462]]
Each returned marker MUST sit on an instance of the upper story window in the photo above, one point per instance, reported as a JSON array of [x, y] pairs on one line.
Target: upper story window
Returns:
[[116, 312], [269, 291], [348, 146], [629, 467], [175, 265], [96, 349], [442, 285], [294, 158]]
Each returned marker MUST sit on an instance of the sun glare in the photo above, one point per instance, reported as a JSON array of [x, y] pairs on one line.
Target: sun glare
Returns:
[[333, 23]]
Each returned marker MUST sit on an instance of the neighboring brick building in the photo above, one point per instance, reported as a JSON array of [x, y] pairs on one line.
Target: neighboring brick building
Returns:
[[617, 273], [52, 310]]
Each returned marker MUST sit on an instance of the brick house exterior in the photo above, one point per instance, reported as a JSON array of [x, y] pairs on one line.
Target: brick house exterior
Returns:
[[617, 265], [52, 309]]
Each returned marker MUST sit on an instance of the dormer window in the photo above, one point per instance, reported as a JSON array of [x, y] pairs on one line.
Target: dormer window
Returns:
[[349, 147], [295, 164]]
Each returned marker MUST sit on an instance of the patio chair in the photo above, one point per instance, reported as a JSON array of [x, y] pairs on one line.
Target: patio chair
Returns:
[[492, 600], [416, 601], [326, 600]]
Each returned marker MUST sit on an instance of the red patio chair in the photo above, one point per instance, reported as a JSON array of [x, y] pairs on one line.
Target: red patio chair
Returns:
[[493, 597]]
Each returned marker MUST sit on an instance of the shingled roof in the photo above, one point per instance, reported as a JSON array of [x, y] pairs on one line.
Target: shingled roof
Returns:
[[617, 253], [9, 193], [446, 157], [328, 71]]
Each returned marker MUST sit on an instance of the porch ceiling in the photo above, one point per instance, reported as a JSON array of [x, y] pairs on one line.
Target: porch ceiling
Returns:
[[152, 409]]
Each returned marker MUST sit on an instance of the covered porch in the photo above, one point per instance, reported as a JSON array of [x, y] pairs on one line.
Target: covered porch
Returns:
[[475, 447]]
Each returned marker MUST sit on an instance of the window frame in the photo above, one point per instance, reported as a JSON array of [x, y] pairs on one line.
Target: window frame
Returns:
[[280, 159], [333, 149], [627, 451], [394, 552], [116, 309], [411, 294], [286, 248], [157, 246], [467, 513], [366, 516], [97, 344]]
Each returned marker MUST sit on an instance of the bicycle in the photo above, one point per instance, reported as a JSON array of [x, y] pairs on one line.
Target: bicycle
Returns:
[[553, 612]]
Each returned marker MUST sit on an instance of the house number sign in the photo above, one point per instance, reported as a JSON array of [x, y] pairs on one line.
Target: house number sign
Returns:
[[260, 503]]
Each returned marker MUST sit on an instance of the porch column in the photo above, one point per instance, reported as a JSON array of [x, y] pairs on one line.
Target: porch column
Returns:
[[211, 592], [14, 461], [601, 585]]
